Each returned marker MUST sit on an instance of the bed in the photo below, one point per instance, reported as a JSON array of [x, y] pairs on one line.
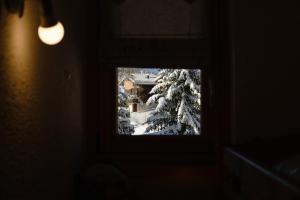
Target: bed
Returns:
[[289, 168], [263, 169]]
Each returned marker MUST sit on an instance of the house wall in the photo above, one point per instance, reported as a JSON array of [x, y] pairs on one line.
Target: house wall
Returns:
[[41, 104], [265, 69], [128, 85]]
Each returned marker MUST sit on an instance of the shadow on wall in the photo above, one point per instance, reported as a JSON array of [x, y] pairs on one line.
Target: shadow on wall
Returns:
[[266, 73], [40, 106]]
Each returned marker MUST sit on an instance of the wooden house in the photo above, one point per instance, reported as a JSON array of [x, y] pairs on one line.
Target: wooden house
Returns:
[[138, 88]]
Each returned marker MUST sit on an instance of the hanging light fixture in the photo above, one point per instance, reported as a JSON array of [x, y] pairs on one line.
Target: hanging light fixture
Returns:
[[15, 6], [50, 31]]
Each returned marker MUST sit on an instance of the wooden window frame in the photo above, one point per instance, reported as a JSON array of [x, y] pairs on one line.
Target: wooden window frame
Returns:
[[108, 53]]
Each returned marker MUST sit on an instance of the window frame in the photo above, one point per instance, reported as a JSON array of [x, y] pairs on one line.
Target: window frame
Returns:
[[113, 144], [108, 52]]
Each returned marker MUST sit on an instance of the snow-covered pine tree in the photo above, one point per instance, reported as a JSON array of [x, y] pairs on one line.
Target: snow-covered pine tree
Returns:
[[125, 73], [177, 95], [124, 126]]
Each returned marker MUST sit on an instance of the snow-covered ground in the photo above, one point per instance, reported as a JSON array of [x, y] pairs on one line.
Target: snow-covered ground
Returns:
[[138, 119]]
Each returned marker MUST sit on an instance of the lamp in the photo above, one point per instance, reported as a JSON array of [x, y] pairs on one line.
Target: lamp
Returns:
[[50, 31], [15, 6]]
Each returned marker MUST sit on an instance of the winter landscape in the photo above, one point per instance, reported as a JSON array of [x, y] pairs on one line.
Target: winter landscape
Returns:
[[156, 101]]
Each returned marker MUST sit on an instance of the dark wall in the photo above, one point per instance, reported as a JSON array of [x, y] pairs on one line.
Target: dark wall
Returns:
[[41, 104], [266, 68]]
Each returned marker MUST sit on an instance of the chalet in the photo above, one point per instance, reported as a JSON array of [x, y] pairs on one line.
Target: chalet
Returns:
[[138, 88]]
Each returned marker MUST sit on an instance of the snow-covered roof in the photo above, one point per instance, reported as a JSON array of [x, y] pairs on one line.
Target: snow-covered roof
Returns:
[[144, 79]]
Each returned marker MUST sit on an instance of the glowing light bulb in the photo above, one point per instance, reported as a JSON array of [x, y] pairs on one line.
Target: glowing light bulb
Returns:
[[51, 35]]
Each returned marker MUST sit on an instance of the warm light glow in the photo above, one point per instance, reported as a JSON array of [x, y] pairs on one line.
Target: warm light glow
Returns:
[[51, 35]]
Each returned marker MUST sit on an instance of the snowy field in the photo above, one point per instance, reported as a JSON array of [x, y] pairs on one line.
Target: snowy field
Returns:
[[138, 120]]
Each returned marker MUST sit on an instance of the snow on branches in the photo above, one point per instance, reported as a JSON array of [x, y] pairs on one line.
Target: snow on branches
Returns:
[[177, 95], [124, 126]]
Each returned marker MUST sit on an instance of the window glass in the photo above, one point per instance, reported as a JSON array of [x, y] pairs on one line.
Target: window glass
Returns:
[[158, 101]]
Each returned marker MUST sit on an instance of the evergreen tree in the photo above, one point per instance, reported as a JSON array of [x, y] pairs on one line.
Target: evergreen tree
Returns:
[[124, 126], [177, 95], [125, 73]]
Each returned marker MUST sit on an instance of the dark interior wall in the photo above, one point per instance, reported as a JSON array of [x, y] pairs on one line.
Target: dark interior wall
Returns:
[[41, 104], [266, 68]]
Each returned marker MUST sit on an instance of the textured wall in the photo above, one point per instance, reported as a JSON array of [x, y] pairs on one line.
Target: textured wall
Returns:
[[40, 105], [266, 73]]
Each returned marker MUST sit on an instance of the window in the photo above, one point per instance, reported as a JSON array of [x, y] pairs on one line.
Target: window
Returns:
[[166, 102], [128, 143], [156, 39]]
